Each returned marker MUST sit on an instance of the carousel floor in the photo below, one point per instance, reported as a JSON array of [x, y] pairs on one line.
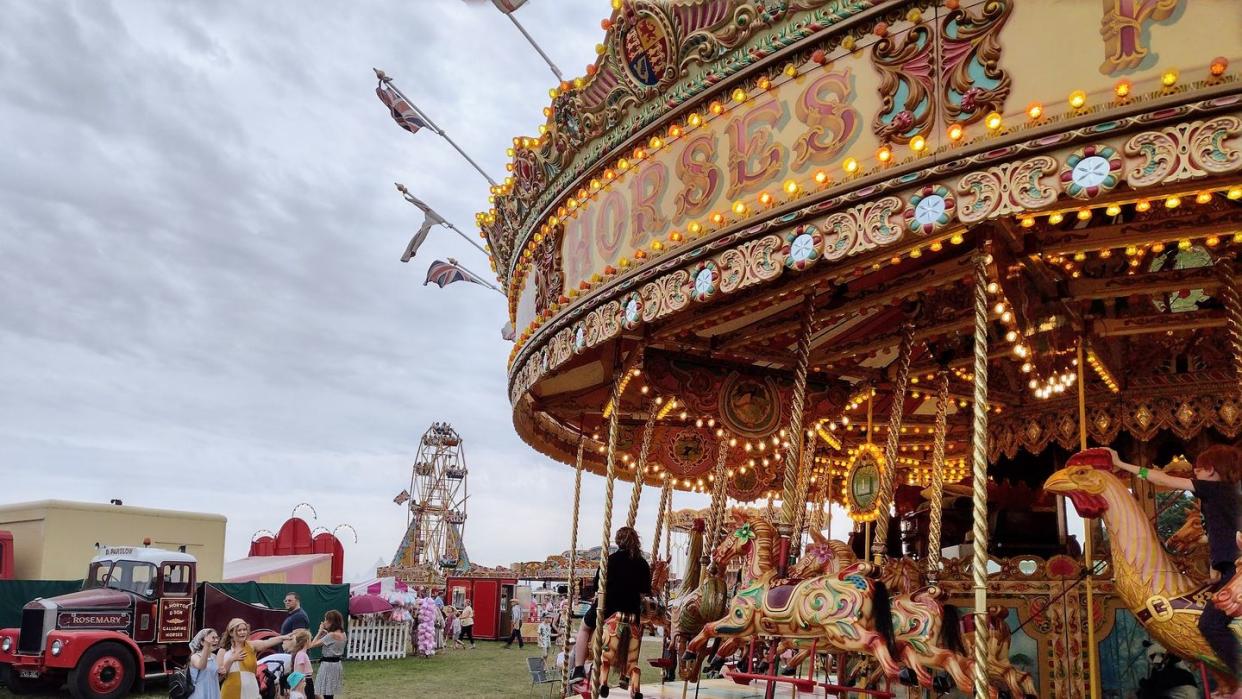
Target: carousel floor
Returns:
[[721, 689]]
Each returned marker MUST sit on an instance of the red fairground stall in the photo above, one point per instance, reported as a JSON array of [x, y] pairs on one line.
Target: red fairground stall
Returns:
[[490, 596]]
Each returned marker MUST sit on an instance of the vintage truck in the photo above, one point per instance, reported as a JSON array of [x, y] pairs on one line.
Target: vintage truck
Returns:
[[130, 623]]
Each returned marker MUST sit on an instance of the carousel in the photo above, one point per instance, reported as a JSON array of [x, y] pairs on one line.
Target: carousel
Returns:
[[906, 262]]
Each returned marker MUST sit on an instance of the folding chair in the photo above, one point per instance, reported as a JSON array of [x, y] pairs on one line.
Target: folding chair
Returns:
[[539, 675]]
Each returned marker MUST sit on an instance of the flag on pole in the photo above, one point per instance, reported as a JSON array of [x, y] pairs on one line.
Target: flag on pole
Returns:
[[444, 273], [402, 111], [402, 497], [507, 6], [430, 218]]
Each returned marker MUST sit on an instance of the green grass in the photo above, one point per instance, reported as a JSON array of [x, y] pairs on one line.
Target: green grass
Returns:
[[490, 670]]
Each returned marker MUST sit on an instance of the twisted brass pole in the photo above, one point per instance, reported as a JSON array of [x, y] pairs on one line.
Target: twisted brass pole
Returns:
[[979, 473], [789, 492], [639, 475], [937, 494], [804, 484], [573, 561], [888, 475], [1229, 295], [665, 493], [716, 516], [610, 483], [1093, 664]]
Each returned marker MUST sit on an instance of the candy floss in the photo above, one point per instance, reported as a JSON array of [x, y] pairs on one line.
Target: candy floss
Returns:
[[427, 627]]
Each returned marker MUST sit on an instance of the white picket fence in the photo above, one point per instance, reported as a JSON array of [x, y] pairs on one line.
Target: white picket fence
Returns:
[[372, 638]]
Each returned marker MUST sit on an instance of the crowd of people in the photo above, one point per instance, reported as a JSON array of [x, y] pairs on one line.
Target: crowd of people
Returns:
[[227, 665]]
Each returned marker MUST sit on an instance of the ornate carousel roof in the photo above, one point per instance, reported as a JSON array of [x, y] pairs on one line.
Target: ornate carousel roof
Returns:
[[725, 168]]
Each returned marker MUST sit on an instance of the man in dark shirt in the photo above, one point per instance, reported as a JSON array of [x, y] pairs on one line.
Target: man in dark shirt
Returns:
[[297, 618]]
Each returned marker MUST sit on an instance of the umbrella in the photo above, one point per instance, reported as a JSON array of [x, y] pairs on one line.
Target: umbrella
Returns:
[[368, 604]]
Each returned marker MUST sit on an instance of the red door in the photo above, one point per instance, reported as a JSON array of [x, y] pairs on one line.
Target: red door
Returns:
[[486, 615]]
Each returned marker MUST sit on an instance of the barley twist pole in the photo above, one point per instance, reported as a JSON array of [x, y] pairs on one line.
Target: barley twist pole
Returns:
[[661, 514], [573, 562], [789, 493], [1229, 295], [937, 494], [888, 475], [804, 485], [979, 473], [639, 471], [610, 484], [716, 516]]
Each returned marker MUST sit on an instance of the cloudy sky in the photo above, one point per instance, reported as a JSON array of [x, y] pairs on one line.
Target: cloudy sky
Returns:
[[204, 306]]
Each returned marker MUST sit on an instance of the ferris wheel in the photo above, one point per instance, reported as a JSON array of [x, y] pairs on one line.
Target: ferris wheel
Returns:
[[436, 504]]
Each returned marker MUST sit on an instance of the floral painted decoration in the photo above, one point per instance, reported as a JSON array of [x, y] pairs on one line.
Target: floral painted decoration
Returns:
[[930, 209], [804, 245], [1091, 171]]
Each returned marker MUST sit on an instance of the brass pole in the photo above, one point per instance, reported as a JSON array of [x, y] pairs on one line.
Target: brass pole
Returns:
[[789, 492], [888, 475], [937, 498], [610, 484], [1093, 661], [979, 473], [1233, 313], [804, 484], [665, 493], [573, 561], [639, 475], [715, 518]]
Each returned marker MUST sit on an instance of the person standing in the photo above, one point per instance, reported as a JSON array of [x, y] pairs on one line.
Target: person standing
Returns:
[[545, 636], [515, 616], [330, 678], [203, 670], [296, 645], [238, 659], [297, 618], [467, 623], [1217, 472]]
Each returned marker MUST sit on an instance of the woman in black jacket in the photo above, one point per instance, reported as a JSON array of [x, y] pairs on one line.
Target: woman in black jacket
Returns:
[[629, 578]]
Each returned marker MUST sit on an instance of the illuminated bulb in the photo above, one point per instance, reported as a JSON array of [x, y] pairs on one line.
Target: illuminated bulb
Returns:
[[956, 132], [993, 121], [1026, 367], [1006, 317], [765, 198], [1142, 205], [956, 239], [916, 253], [1084, 214], [716, 108], [1055, 218], [739, 208], [1131, 250], [1112, 210], [1011, 336], [1077, 99], [1234, 193], [1157, 248], [1122, 89], [1168, 78], [695, 228], [717, 218], [1028, 221], [623, 165], [1218, 66], [739, 95], [993, 287], [884, 154], [764, 83], [1106, 253], [936, 246], [694, 120], [1183, 245], [1203, 197], [1172, 202], [1000, 307], [821, 176], [655, 143], [850, 165], [917, 144], [1034, 111], [790, 187]]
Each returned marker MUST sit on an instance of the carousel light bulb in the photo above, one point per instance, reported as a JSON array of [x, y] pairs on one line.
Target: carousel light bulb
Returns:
[[956, 239], [1034, 111], [1007, 317], [1183, 245], [1112, 210], [956, 132], [1142, 205], [1026, 367], [1084, 214], [1212, 241], [1055, 217], [993, 287], [1218, 66], [739, 95], [1028, 221], [993, 121], [1077, 99], [999, 307], [884, 154], [733, 441], [1169, 77], [765, 198], [850, 165], [1203, 197], [694, 120], [1122, 89], [918, 144], [790, 187], [739, 208], [1011, 336], [1032, 383], [821, 177], [698, 423], [1106, 253]]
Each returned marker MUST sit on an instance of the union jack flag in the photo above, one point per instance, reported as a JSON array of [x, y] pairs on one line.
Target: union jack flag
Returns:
[[402, 497], [402, 111], [444, 273]]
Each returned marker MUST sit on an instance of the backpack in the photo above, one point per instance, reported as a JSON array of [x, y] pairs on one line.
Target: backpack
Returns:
[[180, 684]]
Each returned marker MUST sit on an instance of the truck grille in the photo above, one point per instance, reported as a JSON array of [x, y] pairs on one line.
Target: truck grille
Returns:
[[31, 640]]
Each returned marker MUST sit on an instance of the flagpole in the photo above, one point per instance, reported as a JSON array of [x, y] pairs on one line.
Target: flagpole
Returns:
[[474, 277], [405, 194], [383, 78], [531, 41]]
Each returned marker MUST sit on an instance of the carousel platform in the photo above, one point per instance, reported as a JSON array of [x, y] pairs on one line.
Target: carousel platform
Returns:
[[722, 689]]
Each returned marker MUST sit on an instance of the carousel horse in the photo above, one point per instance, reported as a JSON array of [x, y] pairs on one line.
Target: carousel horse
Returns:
[[1189, 545], [703, 598], [1165, 601], [846, 611], [1001, 672]]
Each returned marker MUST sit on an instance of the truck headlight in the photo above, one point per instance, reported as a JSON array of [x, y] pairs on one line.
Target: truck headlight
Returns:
[[57, 646], [6, 644]]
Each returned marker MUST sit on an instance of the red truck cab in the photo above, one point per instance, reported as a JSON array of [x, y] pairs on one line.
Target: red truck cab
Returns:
[[131, 622]]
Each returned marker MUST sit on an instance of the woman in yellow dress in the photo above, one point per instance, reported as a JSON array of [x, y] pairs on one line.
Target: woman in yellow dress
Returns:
[[241, 656]]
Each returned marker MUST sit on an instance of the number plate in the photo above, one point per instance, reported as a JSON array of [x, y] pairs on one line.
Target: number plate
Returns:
[[28, 674]]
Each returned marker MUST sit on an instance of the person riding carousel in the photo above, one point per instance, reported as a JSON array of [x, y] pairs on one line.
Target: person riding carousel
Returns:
[[1217, 472], [629, 578]]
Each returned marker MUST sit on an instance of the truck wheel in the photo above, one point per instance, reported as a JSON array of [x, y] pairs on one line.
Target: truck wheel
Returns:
[[105, 671]]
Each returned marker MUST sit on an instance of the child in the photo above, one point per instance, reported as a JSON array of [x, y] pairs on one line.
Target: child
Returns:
[[545, 636], [296, 645], [1217, 472]]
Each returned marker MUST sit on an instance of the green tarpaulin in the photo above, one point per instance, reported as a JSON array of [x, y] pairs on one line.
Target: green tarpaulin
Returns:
[[14, 594]]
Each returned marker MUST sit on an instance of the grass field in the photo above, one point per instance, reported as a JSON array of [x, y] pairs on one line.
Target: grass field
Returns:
[[490, 670]]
